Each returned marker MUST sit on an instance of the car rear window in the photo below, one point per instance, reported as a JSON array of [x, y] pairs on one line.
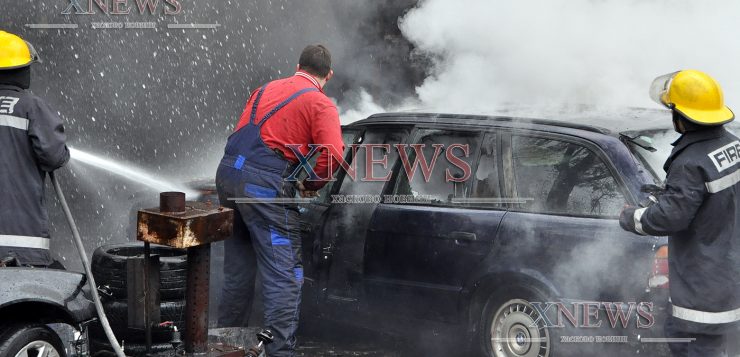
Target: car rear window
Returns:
[[560, 177]]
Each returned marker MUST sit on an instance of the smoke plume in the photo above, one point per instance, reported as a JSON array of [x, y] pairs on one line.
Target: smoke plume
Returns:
[[544, 53]]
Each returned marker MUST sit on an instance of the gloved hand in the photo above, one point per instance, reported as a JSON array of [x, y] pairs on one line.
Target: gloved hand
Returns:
[[627, 219], [304, 192]]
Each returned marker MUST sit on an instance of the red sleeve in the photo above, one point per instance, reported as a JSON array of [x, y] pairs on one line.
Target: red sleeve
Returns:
[[326, 131]]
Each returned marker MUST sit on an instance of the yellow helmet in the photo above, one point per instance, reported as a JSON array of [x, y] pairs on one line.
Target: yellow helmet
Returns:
[[15, 53], [694, 94]]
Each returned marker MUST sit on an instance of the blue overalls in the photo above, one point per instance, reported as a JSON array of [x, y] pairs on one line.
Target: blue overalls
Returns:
[[266, 235]]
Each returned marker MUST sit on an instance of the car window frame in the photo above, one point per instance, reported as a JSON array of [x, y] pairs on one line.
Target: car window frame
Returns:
[[340, 173], [359, 139], [496, 134], [510, 175]]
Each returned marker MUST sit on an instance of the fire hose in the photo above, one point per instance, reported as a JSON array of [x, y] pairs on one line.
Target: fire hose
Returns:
[[88, 272]]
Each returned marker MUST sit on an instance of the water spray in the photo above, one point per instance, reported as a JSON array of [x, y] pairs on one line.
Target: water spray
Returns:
[[128, 172]]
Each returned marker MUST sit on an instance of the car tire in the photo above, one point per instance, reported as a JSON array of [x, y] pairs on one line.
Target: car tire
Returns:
[[109, 269], [506, 326], [33, 338]]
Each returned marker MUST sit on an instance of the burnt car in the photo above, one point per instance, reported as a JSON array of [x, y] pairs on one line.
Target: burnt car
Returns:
[[523, 258], [33, 301]]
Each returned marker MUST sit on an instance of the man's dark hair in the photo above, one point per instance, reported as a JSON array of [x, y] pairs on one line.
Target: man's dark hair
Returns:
[[316, 60]]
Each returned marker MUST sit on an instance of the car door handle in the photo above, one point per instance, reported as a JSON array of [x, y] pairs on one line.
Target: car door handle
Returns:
[[462, 236]]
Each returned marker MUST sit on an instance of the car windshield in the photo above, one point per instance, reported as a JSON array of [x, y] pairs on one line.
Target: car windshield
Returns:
[[653, 147]]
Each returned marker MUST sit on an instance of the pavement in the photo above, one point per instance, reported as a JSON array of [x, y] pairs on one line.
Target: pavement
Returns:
[[334, 345], [329, 349]]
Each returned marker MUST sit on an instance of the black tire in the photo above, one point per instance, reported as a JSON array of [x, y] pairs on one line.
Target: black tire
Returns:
[[159, 334], [505, 304], [164, 294], [14, 338], [114, 256], [117, 313], [109, 269], [101, 347]]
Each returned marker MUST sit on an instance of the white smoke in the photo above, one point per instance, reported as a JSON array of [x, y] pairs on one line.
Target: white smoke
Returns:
[[365, 107], [544, 53]]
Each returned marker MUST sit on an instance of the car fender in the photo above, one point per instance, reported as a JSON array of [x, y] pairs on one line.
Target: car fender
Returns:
[[480, 291], [45, 294]]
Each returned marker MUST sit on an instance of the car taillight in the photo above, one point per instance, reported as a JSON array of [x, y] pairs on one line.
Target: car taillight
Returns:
[[659, 276]]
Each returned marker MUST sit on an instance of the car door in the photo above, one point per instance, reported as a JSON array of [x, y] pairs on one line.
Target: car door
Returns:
[[345, 223], [419, 254], [313, 213], [563, 222]]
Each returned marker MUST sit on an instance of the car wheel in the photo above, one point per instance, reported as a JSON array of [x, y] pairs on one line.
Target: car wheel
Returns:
[[512, 327], [515, 331], [30, 340]]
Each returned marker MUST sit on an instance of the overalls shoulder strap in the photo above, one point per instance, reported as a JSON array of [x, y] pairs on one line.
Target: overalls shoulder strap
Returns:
[[277, 108], [256, 103]]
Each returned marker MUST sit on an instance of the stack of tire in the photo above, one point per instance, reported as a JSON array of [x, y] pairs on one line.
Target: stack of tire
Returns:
[[109, 269]]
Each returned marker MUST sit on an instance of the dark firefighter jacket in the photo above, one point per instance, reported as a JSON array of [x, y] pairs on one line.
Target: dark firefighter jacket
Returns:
[[700, 211], [32, 143]]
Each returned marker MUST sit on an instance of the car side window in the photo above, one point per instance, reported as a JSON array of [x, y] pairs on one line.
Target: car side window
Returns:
[[437, 189], [369, 182], [560, 177]]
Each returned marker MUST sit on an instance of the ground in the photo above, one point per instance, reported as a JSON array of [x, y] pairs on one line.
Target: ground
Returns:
[[347, 342], [326, 349]]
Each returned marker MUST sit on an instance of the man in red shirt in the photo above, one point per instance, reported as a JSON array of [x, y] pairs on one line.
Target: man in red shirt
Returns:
[[253, 180]]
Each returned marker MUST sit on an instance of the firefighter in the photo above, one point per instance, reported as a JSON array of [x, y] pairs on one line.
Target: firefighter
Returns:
[[257, 164], [32, 143], [700, 211]]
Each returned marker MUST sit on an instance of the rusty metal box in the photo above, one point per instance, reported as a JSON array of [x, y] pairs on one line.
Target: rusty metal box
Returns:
[[200, 223]]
